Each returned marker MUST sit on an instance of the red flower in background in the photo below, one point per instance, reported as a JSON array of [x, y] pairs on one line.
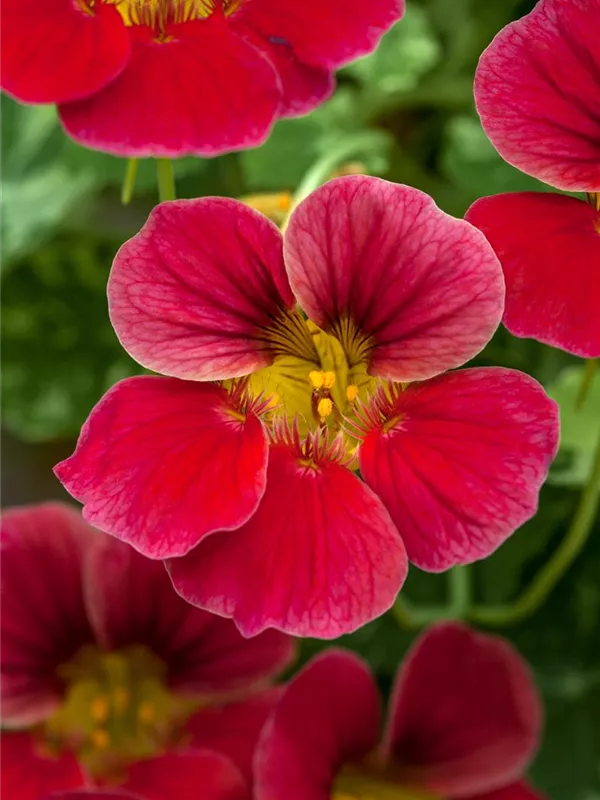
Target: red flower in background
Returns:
[[247, 486], [175, 77], [109, 677], [463, 722], [538, 95]]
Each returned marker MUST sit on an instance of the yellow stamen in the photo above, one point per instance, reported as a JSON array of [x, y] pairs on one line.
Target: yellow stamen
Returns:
[[146, 713], [273, 401], [120, 699], [324, 408], [316, 378], [328, 380], [352, 393], [100, 738], [99, 709]]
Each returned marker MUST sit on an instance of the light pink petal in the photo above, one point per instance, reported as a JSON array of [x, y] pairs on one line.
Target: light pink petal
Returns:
[[131, 600], [537, 93], [233, 728], [194, 774], [202, 91], [56, 51], [161, 463], [27, 773], [515, 791], [464, 715], [192, 294], [380, 265], [328, 716], [43, 615], [548, 245], [320, 557], [459, 461]]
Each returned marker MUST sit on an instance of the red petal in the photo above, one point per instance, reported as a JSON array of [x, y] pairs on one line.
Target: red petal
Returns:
[[516, 791], [202, 92], [161, 463], [94, 794], [327, 716], [548, 245], [322, 34], [131, 599], [537, 94], [43, 616], [320, 557], [191, 294], [464, 715], [424, 288], [55, 51], [459, 461], [26, 774], [233, 729], [200, 774]]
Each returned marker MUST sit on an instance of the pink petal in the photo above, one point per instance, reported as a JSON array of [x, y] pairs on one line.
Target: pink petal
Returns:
[[322, 34], [192, 294], [56, 51], [94, 794], [169, 102], [459, 461], [233, 728], [327, 716], [423, 290], [161, 463], [516, 791], [548, 245], [320, 557], [28, 774], [131, 600], [464, 714], [537, 93], [199, 774], [43, 616]]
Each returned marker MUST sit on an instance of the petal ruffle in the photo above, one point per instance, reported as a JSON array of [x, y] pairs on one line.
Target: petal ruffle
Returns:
[[131, 599], [161, 463], [393, 276], [43, 615], [27, 774], [320, 557], [549, 248], [328, 715], [192, 294], [464, 715], [459, 461], [536, 90], [203, 91], [60, 50]]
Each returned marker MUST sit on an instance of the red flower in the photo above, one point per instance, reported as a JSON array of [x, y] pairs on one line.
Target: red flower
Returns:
[[170, 77], [537, 94], [109, 677], [463, 721], [395, 291]]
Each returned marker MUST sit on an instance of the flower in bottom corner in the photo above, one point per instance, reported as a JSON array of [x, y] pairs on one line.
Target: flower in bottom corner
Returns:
[[110, 680], [305, 442], [463, 722]]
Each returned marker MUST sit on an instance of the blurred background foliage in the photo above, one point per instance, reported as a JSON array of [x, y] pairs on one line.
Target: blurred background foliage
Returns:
[[406, 113]]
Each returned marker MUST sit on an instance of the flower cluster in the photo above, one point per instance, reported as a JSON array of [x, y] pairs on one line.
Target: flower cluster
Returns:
[[537, 94], [295, 362], [170, 77]]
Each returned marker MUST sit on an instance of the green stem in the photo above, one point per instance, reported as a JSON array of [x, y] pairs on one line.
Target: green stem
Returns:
[[166, 179], [550, 574], [589, 373], [460, 592], [129, 180], [414, 617], [324, 166]]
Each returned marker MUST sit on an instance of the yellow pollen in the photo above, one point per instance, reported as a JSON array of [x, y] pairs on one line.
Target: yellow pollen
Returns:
[[316, 379], [146, 713], [99, 709], [352, 393], [120, 699], [100, 738], [324, 407], [328, 380]]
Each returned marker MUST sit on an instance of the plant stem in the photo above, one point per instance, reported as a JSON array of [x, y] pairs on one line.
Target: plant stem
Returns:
[[166, 179], [589, 373], [129, 180], [550, 574], [413, 617]]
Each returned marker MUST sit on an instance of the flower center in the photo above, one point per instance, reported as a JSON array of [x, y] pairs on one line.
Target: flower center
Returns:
[[354, 783], [157, 14], [117, 710]]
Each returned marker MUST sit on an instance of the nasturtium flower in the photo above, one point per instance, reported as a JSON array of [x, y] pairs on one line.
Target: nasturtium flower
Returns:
[[463, 721], [284, 469], [537, 93], [170, 77], [109, 678]]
